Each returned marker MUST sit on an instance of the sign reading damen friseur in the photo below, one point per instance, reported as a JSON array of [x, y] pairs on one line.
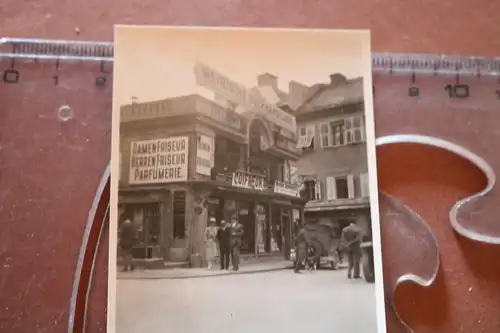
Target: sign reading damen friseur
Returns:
[[159, 160]]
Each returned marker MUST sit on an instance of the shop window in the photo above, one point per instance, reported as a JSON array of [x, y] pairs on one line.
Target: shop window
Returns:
[[179, 214], [152, 220]]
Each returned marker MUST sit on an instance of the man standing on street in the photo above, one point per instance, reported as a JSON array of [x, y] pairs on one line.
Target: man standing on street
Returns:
[[127, 234], [351, 241], [223, 237], [235, 242]]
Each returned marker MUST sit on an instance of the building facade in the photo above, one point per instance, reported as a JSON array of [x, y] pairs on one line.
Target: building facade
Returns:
[[333, 166], [186, 159]]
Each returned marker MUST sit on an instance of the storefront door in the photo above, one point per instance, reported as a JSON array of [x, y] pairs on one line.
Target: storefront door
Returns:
[[246, 218], [262, 221], [146, 217], [286, 223], [276, 236]]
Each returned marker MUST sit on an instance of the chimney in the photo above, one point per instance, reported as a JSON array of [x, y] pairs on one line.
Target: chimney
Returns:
[[297, 92], [267, 79], [336, 79]]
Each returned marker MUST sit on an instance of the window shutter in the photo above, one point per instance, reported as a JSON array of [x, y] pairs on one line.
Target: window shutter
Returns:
[[317, 190], [350, 186], [349, 131], [358, 130], [310, 133], [331, 188], [365, 185], [301, 137]]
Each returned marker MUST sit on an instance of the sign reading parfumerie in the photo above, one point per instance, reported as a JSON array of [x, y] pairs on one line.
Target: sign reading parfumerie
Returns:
[[159, 160]]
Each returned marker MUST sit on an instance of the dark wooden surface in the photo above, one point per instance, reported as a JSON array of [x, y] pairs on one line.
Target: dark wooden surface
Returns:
[[50, 170]]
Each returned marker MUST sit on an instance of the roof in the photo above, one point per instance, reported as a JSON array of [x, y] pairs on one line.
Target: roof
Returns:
[[322, 96], [272, 95]]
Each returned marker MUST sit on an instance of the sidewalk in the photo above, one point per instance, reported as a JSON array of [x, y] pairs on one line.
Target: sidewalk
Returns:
[[189, 273]]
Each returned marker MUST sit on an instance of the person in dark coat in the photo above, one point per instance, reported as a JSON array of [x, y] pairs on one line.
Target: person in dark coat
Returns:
[[127, 234], [351, 242], [223, 238], [235, 243]]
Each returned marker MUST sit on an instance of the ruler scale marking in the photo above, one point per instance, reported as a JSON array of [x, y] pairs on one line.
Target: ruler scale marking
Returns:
[[383, 63]]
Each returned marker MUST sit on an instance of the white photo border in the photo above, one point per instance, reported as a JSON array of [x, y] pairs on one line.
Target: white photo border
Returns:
[[371, 158]]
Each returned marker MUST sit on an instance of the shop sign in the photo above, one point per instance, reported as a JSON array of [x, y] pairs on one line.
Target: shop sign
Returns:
[[159, 160], [286, 189], [248, 180], [205, 154], [238, 94]]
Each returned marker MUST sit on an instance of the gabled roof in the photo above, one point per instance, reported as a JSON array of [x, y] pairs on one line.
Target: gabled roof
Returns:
[[322, 96]]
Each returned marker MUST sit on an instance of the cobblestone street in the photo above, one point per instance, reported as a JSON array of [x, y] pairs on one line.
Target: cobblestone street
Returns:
[[277, 301]]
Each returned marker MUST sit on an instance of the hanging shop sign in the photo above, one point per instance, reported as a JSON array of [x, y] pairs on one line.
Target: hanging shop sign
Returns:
[[248, 180], [205, 154], [286, 189], [159, 160], [238, 94]]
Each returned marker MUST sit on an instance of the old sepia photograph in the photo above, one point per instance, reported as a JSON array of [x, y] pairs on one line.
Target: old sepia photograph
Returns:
[[244, 193]]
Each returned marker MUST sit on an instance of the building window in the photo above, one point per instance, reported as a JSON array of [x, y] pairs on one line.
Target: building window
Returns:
[[340, 187], [179, 214], [342, 132], [227, 156], [325, 134], [311, 190], [306, 138]]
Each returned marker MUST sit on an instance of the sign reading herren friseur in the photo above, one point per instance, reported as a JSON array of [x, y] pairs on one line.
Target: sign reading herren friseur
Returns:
[[159, 160]]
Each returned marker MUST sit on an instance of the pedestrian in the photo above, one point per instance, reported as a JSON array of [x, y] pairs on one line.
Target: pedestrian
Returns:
[[127, 234], [235, 242], [211, 242], [351, 242], [223, 238]]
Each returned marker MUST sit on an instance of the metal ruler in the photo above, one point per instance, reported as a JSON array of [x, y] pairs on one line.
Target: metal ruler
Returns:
[[451, 85]]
